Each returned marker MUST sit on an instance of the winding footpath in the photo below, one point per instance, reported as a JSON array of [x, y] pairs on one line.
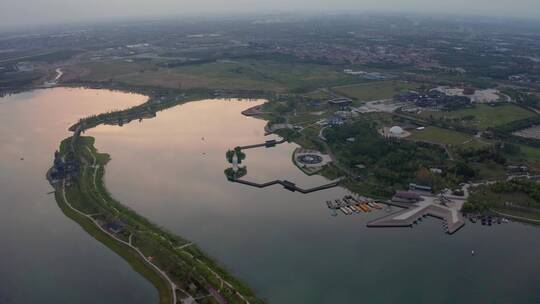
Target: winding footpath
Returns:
[[173, 286], [164, 275]]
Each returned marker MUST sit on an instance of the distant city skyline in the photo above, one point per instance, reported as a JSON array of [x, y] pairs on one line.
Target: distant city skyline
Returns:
[[15, 13]]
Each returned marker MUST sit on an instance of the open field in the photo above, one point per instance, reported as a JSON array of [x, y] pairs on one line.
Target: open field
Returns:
[[482, 116], [375, 90], [242, 74], [441, 136]]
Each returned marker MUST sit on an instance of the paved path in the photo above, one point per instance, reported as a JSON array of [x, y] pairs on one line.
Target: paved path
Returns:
[[157, 269], [173, 285], [89, 217], [516, 217]]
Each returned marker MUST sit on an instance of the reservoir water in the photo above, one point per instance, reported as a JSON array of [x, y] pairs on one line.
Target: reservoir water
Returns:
[[285, 245], [46, 257]]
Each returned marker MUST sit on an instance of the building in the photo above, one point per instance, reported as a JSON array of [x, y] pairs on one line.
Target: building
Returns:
[[517, 169], [270, 143], [289, 186], [342, 103], [115, 227], [469, 91], [406, 197], [335, 121], [396, 131], [415, 187]]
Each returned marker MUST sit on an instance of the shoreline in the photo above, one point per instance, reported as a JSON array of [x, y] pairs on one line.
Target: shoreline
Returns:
[[205, 277]]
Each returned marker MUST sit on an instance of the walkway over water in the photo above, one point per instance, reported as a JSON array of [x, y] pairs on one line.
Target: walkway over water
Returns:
[[288, 185], [266, 144]]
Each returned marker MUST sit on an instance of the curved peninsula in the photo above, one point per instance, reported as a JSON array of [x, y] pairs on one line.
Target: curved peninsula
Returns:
[[176, 267]]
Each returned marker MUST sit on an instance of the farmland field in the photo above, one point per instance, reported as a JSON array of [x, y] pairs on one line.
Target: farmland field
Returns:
[[243, 74]]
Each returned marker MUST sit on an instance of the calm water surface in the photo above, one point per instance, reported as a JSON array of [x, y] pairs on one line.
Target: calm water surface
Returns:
[[286, 245], [45, 256]]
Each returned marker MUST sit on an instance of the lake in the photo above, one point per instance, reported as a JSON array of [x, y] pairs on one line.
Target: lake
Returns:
[[285, 245], [46, 257]]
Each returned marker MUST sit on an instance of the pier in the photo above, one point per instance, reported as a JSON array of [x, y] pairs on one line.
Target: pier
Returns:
[[288, 185], [414, 212], [266, 144]]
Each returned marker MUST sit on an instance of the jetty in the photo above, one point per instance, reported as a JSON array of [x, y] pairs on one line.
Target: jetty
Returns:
[[267, 144], [288, 185], [412, 213]]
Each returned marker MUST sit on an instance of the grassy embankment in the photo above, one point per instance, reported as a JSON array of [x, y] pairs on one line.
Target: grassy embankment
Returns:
[[82, 196], [187, 266], [517, 198]]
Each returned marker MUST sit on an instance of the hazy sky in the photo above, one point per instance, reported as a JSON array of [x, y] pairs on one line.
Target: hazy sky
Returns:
[[24, 12]]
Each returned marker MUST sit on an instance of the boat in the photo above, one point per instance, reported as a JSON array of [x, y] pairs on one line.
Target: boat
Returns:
[[329, 204], [347, 210], [363, 207], [367, 207], [344, 211]]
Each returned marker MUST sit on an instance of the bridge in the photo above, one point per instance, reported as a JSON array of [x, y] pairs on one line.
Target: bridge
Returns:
[[266, 144], [287, 185]]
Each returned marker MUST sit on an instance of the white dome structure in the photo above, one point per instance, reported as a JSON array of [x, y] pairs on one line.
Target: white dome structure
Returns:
[[396, 131]]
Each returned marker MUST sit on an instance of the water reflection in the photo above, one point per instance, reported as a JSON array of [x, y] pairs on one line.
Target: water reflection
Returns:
[[46, 257], [287, 245]]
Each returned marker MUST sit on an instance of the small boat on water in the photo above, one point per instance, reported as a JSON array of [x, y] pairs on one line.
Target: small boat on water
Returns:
[[329, 204], [359, 208], [363, 207], [367, 207], [344, 210]]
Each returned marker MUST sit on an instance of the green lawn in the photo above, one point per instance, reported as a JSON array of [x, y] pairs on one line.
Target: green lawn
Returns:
[[441, 136], [375, 90], [485, 116]]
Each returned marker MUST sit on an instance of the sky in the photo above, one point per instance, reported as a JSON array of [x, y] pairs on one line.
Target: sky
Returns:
[[15, 13]]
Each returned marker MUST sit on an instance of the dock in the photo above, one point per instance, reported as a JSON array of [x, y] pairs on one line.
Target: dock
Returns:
[[288, 185], [267, 144], [414, 212]]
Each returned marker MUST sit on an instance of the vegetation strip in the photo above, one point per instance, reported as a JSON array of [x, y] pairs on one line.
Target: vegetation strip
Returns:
[[177, 268]]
